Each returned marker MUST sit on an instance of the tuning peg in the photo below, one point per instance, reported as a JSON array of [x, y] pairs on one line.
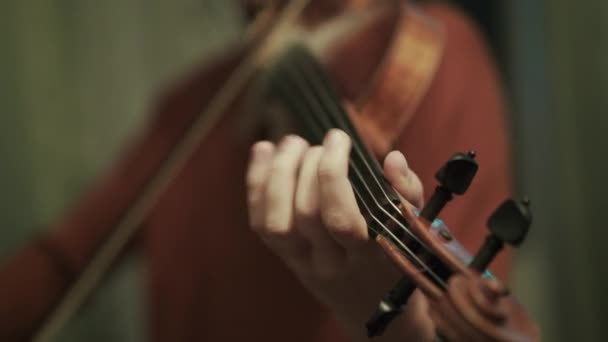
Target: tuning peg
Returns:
[[454, 177], [508, 224], [389, 307]]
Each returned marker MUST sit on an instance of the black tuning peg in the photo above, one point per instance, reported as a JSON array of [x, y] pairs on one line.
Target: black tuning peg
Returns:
[[389, 307], [454, 177], [508, 224]]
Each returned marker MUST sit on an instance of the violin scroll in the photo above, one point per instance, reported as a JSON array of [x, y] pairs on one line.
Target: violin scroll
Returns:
[[476, 309], [454, 177], [483, 308], [481, 304]]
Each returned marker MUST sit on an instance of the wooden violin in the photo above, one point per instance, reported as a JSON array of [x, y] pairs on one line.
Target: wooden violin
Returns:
[[278, 65], [421, 246]]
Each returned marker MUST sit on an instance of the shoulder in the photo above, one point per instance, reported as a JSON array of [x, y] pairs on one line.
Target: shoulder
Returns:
[[466, 63], [466, 54], [460, 29]]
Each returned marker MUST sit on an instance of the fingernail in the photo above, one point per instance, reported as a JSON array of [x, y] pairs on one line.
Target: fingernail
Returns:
[[334, 138]]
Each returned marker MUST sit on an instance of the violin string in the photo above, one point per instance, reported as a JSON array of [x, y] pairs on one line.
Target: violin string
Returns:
[[395, 239], [319, 132], [344, 123], [318, 113], [106, 255], [124, 231], [335, 110]]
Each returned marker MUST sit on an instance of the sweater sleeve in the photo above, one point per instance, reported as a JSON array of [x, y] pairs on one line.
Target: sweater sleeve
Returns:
[[463, 110], [36, 276]]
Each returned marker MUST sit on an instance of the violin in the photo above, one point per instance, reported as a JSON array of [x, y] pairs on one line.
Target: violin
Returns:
[[273, 67], [420, 245]]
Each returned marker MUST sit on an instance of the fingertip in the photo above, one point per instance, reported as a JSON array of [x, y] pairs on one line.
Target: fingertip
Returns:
[[336, 137], [395, 161], [262, 149], [404, 180], [496, 288]]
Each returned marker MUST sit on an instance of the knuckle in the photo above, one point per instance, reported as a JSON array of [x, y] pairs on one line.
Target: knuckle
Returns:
[[346, 228], [278, 237], [274, 198], [315, 152], [306, 215], [255, 197], [276, 227], [337, 221], [305, 210], [292, 143], [254, 175], [289, 156], [253, 180], [280, 165], [346, 236], [327, 173]]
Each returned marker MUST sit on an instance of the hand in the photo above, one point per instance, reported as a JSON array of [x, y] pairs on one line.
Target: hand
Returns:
[[475, 309], [303, 207]]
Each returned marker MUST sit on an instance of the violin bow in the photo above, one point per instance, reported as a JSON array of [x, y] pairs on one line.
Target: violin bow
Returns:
[[126, 229]]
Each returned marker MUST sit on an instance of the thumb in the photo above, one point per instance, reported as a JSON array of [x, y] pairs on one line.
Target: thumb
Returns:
[[404, 180]]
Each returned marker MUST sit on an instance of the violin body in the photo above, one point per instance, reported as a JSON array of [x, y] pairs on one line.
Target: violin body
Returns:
[[209, 277]]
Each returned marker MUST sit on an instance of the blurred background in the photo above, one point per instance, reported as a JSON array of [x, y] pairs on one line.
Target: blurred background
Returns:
[[78, 77]]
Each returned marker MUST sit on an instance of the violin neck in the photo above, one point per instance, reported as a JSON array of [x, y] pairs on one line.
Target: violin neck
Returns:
[[300, 84]]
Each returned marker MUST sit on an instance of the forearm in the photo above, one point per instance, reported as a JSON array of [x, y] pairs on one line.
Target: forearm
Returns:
[[36, 276]]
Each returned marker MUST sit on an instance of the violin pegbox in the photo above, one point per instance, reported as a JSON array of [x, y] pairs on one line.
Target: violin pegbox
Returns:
[[508, 224], [454, 178]]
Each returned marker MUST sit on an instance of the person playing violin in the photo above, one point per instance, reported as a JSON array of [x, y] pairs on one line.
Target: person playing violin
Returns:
[[302, 206], [210, 278]]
